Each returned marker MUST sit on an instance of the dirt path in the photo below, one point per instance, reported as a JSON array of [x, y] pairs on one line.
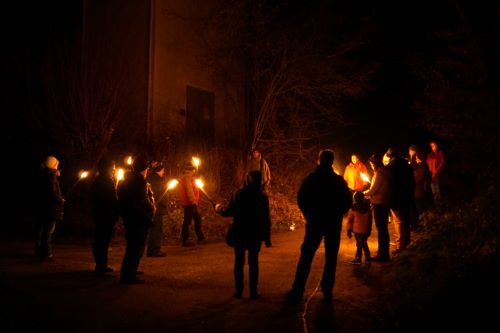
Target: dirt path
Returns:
[[190, 290]]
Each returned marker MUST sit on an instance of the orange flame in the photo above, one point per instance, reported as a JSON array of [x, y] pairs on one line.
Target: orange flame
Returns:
[[365, 177], [172, 184], [196, 161], [129, 160], [199, 183], [84, 174], [120, 174]]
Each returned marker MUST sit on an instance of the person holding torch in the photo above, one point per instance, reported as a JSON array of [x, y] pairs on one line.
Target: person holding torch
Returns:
[[189, 196], [158, 185]]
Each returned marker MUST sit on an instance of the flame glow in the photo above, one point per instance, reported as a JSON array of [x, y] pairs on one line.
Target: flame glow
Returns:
[[120, 174], [172, 184], [365, 178], [292, 226], [84, 174], [196, 161], [199, 183], [129, 160]]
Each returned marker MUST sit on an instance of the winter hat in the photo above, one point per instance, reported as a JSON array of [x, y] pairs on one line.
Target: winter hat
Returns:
[[51, 162], [140, 164]]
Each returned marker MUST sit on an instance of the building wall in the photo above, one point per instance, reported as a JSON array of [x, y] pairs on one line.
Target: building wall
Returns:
[[178, 60]]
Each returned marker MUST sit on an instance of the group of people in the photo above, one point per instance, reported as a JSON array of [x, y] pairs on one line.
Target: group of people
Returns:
[[324, 198]]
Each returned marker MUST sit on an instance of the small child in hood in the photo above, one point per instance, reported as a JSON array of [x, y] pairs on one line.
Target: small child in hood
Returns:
[[359, 222]]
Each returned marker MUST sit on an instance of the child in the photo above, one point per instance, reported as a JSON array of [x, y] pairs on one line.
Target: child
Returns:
[[359, 222]]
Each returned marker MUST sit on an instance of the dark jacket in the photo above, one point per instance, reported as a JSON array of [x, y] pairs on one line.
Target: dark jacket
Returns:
[[324, 196], [252, 220], [422, 177], [104, 200], [50, 199], [158, 186], [380, 191], [135, 201], [403, 183]]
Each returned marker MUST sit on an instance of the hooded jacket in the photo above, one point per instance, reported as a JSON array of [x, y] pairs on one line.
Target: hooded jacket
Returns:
[[51, 201]]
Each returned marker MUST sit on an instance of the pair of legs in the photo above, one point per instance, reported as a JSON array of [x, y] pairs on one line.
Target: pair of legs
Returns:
[[155, 236], [315, 232], [136, 242], [253, 268], [381, 219], [103, 233], [401, 217], [45, 230], [362, 246], [436, 193], [191, 213]]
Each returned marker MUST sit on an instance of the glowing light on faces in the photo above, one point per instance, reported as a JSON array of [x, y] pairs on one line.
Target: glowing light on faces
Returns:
[[199, 183], [84, 174], [120, 174], [365, 177], [172, 184], [196, 161]]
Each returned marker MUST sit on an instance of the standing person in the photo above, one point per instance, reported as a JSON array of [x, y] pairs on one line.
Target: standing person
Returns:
[[249, 207], [435, 161], [403, 191], [257, 162], [323, 199], [412, 154], [380, 195], [352, 174], [422, 177], [137, 209], [159, 186], [104, 212], [189, 196], [50, 207], [359, 222]]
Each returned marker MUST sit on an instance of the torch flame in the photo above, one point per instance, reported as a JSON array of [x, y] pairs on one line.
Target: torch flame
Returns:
[[120, 174], [129, 160], [365, 178], [196, 161], [292, 226], [199, 183], [84, 174], [172, 184]]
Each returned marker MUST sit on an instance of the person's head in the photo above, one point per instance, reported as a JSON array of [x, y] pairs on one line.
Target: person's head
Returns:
[[326, 157], [254, 178], [419, 157], [354, 158], [159, 168], [255, 153], [189, 168], [51, 163], [140, 165], [358, 197], [412, 151], [374, 162], [388, 157], [106, 167], [434, 146]]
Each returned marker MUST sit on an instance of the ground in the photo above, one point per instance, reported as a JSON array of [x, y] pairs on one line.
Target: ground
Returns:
[[190, 290]]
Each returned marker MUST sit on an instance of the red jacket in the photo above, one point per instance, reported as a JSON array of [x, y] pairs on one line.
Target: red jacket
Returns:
[[358, 222], [189, 194], [352, 176], [435, 161]]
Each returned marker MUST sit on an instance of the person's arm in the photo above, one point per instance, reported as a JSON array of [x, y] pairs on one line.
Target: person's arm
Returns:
[[55, 190], [374, 187], [230, 209], [439, 166]]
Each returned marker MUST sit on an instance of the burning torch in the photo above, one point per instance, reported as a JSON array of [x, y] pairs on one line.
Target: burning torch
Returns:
[[119, 175], [81, 175], [199, 183], [365, 177]]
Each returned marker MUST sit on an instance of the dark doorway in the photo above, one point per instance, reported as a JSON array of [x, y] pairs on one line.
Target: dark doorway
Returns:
[[200, 122]]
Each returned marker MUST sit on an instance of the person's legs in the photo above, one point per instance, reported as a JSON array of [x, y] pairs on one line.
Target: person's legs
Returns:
[[136, 242], [359, 245], [311, 243], [46, 230], [102, 238], [381, 216], [366, 249], [436, 193], [253, 267], [188, 216], [402, 224], [197, 225], [155, 236], [332, 243], [239, 262]]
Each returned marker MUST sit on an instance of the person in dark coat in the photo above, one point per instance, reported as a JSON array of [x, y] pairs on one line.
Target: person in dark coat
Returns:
[[380, 195], [137, 208], [50, 208], [422, 177], [104, 212], [159, 186], [323, 199], [249, 207], [403, 191]]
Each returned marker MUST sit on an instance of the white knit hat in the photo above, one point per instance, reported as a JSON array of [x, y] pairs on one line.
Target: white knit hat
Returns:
[[51, 162]]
